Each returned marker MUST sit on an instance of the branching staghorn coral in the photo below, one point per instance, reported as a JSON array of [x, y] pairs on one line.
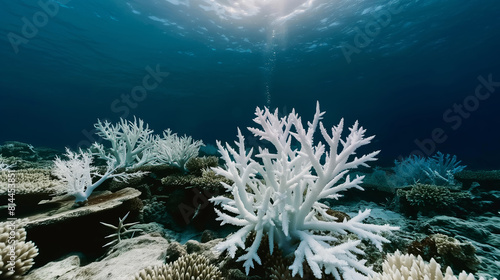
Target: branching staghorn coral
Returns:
[[448, 251], [175, 150], [77, 173], [428, 198], [278, 193], [436, 170], [131, 143]]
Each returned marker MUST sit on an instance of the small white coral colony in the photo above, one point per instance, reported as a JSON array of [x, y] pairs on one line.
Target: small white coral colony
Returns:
[[278, 191], [133, 145], [78, 173], [408, 267], [174, 150], [16, 255]]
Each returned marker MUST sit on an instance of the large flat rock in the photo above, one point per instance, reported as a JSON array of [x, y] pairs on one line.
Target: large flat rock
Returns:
[[62, 209], [122, 262]]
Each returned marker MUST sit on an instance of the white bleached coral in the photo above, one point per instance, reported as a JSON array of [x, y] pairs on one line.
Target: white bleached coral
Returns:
[[187, 267], [131, 143], [78, 172], [16, 254], [277, 192], [408, 267], [174, 150]]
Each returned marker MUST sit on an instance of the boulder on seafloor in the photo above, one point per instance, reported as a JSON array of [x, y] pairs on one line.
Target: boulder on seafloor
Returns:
[[124, 260], [59, 228]]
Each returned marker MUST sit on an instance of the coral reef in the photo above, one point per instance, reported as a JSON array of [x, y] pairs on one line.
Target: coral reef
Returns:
[[447, 251], [178, 180], [429, 199], [131, 143], [77, 173], [436, 170], [121, 262], [19, 155], [134, 145], [481, 231], [26, 188], [187, 267], [16, 255], [405, 267], [197, 165], [279, 195], [175, 150], [155, 211], [19, 150], [30, 181]]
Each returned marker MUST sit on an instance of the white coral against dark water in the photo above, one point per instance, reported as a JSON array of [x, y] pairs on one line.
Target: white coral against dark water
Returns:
[[131, 143], [174, 150], [277, 192], [77, 172]]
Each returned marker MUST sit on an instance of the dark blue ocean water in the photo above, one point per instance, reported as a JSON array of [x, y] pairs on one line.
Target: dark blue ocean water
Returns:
[[421, 75]]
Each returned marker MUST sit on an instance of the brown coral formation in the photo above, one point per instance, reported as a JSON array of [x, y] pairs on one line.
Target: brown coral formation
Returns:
[[196, 165], [428, 199], [447, 251]]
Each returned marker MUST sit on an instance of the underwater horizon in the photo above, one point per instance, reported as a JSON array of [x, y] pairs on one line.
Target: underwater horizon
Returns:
[[423, 76]]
